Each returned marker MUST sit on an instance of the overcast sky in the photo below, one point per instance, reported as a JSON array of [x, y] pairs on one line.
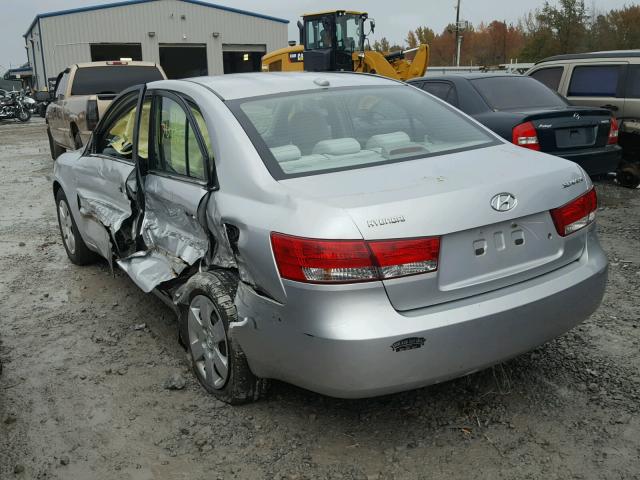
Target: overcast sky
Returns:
[[393, 19]]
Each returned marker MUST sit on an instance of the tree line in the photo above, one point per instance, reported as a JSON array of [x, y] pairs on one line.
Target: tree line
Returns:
[[565, 27]]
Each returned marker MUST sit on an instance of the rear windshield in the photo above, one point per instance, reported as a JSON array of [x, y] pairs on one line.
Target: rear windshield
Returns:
[[111, 79], [328, 130], [512, 93]]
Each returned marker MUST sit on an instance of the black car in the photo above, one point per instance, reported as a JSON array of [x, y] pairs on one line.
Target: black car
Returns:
[[529, 114]]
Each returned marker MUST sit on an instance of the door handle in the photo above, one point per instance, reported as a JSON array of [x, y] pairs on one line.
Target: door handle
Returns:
[[613, 108]]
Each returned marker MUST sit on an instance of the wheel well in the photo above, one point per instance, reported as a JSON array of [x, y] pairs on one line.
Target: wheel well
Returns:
[[56, 188]]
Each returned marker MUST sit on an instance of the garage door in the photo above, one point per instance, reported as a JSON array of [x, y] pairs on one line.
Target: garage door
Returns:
[[239, 58], [184, 60]]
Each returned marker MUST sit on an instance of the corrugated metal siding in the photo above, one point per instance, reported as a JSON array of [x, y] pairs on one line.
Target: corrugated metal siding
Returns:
[[67, 37], [35, 58]]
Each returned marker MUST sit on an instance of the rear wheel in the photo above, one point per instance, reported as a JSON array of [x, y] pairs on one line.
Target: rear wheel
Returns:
[[628, 175], [56, 150], [217, 360], [77, 250], [77, 140], [24, 115]]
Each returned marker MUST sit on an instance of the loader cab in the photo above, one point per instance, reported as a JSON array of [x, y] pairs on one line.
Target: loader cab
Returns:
[[331, 38]]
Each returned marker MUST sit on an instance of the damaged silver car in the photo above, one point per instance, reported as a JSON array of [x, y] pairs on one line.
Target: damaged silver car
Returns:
[[346, 233]]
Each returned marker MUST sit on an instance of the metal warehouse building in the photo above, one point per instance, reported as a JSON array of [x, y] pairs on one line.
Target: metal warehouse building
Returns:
[[187, 37]]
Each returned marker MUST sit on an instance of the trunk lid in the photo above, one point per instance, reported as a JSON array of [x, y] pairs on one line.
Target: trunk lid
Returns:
[[450, 196], [571, 128]]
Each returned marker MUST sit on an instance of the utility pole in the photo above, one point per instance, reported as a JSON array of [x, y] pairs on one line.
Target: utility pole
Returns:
[[458, 35], [504, 43]]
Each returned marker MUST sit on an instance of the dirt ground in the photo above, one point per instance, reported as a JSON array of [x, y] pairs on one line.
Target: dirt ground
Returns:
[[86, 355]]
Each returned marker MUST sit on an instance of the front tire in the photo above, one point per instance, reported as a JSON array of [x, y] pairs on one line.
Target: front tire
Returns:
[[217, 360], [76, 249], [77, 139]]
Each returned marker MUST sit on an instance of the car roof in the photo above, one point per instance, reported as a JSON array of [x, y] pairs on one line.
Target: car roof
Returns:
[[588, 55], [244, 85], [466, 76]]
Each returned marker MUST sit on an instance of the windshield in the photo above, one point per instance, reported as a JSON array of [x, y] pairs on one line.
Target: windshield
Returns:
[[328, 130], [111, 79], [506, 93]]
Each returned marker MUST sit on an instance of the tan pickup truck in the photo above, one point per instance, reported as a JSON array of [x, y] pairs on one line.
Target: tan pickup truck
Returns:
[[83, 93]]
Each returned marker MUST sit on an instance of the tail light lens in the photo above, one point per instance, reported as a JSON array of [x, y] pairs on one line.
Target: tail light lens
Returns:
[[524, 135], [576, 214], [349, 261], [613, 131], [92, 114]]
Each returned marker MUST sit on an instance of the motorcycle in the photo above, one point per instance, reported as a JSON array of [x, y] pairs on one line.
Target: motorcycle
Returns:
[[13, 105], [31, 104], [43, 99]]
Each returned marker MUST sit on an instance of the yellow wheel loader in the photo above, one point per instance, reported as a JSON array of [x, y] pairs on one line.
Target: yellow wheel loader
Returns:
[[335, 41]]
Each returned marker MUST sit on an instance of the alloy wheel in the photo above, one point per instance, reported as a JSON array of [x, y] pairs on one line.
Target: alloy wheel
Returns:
[[208, 342], [66, 227]]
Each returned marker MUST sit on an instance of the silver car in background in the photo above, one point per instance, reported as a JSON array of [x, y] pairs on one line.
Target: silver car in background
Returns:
[[346, 233]]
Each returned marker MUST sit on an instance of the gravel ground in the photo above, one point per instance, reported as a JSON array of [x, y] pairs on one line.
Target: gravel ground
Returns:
[[86, 356]]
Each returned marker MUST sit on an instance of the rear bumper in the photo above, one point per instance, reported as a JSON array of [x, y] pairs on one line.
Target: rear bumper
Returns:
[[343, 345], [595, 161]]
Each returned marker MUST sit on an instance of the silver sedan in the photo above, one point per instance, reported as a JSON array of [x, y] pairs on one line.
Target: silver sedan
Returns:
[[346, 233]]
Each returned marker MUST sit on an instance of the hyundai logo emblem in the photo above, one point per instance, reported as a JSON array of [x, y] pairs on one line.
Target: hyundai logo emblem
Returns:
[[576, 116], [503, 202]]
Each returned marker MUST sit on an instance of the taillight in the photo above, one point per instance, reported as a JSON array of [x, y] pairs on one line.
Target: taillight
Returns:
[[524, 135], [399, 258], [613, 131], [348, 261], [576, 214], [92, 114]]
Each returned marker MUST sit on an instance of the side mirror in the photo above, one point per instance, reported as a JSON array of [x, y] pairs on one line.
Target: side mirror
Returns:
[[373, 25]]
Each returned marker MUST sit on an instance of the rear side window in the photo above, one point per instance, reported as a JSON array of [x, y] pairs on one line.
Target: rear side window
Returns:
[[594, 81], [176, 145], [633, 82], [516, 92], [443, 90], [111, 79], [549, 76]]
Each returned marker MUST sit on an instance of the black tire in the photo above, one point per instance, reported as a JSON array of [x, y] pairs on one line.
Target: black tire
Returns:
[[24, 115], [241, 385], [56, 150], [628, 175], [77, 140], [81, 255]]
